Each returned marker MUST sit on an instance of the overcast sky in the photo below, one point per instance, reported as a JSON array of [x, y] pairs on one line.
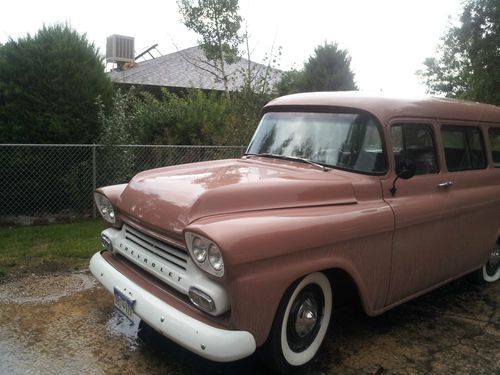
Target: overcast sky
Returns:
[[387, 39]]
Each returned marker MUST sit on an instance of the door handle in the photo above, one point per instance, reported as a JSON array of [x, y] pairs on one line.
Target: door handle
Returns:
[[446, 184]]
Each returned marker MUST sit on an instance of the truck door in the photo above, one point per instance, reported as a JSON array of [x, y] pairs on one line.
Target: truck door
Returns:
[[474, 197], [420, 206]]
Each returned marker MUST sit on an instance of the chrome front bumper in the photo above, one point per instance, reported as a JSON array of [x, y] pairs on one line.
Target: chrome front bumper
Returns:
[[209, 342]]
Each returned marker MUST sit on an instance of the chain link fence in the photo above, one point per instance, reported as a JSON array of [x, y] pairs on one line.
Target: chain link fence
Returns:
[[47, 183]]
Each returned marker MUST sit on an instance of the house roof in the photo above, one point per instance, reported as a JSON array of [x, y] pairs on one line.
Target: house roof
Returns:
[[189, 68]]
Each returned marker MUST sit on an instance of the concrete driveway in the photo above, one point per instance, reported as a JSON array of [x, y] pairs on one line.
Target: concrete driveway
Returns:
[[65, 324]]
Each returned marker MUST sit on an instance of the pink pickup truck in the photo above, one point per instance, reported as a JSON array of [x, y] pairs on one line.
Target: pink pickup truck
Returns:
[[338, 194]]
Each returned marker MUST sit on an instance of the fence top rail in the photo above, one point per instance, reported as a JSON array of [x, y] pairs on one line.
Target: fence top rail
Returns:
[[103, 145]]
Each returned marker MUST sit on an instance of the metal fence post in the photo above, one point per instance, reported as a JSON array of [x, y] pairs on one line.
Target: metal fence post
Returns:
[[94, 167]]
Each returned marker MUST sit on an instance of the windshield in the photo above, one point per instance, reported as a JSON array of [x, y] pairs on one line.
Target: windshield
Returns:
[[341, 140]]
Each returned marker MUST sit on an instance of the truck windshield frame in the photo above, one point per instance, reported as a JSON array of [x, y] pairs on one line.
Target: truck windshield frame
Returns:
[[350, 141]]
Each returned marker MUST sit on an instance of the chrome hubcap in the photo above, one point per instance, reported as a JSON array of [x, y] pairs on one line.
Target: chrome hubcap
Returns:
[[307, 316], [495, 254]]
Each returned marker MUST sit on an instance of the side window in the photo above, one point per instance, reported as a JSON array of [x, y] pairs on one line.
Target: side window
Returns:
[[463, 148], [495, 145], [416, 143]]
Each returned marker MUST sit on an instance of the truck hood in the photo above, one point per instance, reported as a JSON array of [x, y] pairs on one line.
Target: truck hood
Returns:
[[170, 198]]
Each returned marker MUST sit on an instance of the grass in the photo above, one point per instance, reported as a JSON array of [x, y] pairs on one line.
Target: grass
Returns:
[[46, 248]]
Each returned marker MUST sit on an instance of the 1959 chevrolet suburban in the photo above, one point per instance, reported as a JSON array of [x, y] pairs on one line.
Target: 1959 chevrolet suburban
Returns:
[[338, 193]]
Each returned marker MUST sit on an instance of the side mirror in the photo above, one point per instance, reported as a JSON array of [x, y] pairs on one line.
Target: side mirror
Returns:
[[405, 169]]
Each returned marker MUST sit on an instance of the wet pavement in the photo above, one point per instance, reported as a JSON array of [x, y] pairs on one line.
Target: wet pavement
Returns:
[[66, 324]]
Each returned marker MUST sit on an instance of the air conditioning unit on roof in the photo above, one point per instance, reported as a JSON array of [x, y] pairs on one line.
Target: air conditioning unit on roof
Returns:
[[119, 49]]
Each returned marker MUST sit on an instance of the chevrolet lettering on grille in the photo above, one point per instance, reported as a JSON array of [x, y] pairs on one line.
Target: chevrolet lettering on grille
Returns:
[[167, 263]]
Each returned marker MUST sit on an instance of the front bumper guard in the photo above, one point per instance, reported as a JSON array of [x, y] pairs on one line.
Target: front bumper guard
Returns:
[[209, 342]]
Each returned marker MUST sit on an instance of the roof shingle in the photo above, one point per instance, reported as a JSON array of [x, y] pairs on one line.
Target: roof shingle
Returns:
[[188, 69]]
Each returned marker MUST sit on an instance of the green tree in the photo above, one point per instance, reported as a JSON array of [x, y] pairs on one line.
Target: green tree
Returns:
[[328, 69], [290, 82], [468, 61], [218, 23], [49, 83]]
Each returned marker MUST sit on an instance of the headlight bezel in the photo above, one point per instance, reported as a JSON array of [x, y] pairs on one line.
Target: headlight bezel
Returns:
[[204, 262], [105, 207]]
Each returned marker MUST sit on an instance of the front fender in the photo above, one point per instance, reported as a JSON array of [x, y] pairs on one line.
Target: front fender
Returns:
[[265, 251]]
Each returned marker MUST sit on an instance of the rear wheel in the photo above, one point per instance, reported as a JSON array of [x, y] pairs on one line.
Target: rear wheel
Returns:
[[491, 270], [300, 324]]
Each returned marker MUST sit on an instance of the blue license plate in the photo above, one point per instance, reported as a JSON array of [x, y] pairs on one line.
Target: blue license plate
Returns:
[[124, 303]]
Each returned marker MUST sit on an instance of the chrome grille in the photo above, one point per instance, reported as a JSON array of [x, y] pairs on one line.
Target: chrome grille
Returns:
[[171, 255]]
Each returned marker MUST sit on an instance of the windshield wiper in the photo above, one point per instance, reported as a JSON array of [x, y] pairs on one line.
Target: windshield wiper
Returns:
[[293, 158]]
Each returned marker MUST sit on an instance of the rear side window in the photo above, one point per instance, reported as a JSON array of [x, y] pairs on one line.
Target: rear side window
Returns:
[[495, 145], [416, 143], [463, 148]]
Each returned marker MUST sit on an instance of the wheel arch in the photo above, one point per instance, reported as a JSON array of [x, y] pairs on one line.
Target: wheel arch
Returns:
[[345, 288]]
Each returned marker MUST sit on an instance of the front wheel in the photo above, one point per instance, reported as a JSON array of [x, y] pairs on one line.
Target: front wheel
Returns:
[[300, 324]]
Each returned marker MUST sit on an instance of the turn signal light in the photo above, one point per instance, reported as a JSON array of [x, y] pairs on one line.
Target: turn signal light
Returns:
[[201, 300]]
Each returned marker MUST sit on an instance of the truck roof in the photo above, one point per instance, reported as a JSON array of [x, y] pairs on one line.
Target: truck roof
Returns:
[[385, 108]]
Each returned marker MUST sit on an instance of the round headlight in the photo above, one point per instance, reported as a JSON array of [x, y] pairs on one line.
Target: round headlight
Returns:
[[205, 254], [199, 250], [215, 258], [105, 208]]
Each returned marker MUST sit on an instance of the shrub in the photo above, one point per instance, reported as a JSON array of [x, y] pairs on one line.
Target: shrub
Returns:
[[196, 118]]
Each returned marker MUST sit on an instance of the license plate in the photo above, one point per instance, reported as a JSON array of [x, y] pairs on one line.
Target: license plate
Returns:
[[124, 303]]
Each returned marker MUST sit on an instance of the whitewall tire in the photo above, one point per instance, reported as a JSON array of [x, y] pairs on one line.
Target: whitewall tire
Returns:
[[491, 270], [301, 323]]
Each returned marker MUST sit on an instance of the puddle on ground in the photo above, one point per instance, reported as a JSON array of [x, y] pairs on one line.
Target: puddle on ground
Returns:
[[66, 324]]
